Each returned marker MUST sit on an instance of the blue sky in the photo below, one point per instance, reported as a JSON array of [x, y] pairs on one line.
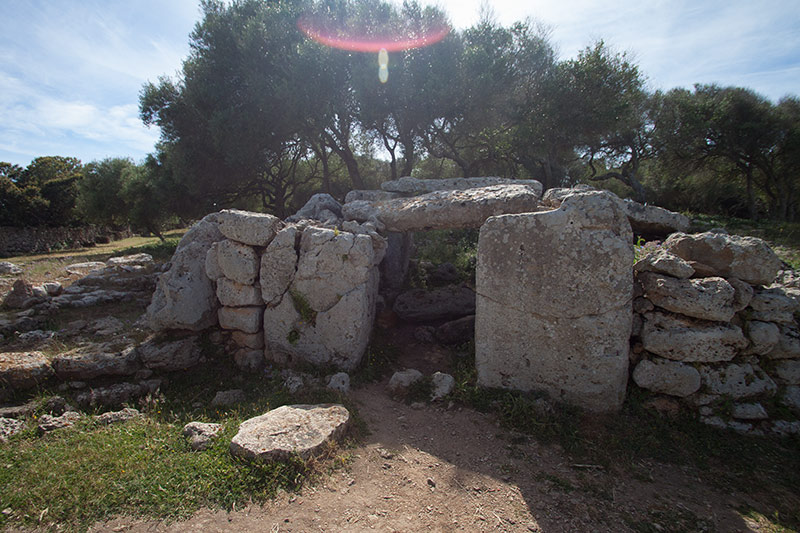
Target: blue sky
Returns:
[[71, 70]]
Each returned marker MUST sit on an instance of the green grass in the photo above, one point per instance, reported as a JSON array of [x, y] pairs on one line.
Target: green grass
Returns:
[[459, 247]]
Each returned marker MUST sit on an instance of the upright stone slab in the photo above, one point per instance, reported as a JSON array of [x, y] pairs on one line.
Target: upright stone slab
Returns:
[[554, 302]]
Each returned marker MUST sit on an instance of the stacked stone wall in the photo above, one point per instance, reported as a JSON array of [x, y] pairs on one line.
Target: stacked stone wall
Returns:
[[45, 239]]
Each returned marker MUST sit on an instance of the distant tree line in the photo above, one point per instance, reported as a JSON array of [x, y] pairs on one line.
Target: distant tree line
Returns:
[[261, 117]]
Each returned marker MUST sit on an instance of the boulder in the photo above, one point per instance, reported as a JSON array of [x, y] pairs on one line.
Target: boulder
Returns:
[[255, 229], [412, 186], [654, 220], [303, 430], [232, 294], [773, 305], [213, 270], [184, 297], [748, 258], [321, 207], [662, 262], [130, 260], [684, 339], [445, 209], [278, 265], [764, 336], [24, 370], [554, 302], [107, 326], [402, 380], [370, 196], [9, 268], [457, 331], [200, 434], [85, 365], [419, 305], [81, 269], [788, 346], [21, 296], [169, 356], [238, 262], [707, 298], [667, 377], [737, 380], [442, 384], [787, 371], [246, 319]]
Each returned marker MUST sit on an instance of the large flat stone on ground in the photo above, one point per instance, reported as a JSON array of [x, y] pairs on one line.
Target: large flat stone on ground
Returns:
[[446, 209], [290, 430], [23, 370], [446, 303], [554, 302], [83, 365]]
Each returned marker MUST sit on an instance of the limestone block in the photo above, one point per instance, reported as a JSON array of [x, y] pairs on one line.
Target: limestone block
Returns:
[[707, 298], [184, 297], [413, 186], [737, 381], [743, 295], [248, 340], [169, 356], [654, 220], [232, 294], [370, 196], [213, 271], [80, 365], [667, 377], [764, 336], [255, 229], [288, 430], [321, 207], [746, 258], [554, 302], [446, 209], [787, 371], [24, 370], [278, 264], [419, 305], [246, 319], [773, 305], [684, 339], [662, 262], [788, 346], [238, 262]]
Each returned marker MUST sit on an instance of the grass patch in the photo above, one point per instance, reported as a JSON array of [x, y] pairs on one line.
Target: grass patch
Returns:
[[459, 247]]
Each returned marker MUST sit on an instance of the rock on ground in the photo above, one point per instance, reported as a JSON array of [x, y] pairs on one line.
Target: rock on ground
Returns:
[[200, 434], [24, 370], [302, 430], [339, 382], [87, 364], [226, 398], [9, 268], [169, 356], [48, 423], [443, 385], [419, 305], [402, 380], [536, 327], [115, 417]]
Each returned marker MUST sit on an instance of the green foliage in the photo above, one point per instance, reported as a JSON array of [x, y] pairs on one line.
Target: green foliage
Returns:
[[458, 247], [303, 307]]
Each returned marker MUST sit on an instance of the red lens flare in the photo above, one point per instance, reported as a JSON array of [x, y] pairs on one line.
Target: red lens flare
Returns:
[[350, 41]]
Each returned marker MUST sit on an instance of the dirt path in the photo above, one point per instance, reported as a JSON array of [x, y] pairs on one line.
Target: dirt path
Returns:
[[439, 469]]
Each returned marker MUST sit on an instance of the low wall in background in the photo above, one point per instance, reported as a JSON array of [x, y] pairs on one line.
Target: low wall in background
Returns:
[[42, 239]]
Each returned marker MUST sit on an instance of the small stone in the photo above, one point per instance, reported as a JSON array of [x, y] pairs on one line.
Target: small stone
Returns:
[[443, 385], [9, 427], [749, 411], [400, 381], [201, 434], [9, 268], [418, 305], [49, 423], [53, 288], [773, 305], [238, 262], [227, 398], [764, 336], [249, 360], [788, 346], [743, 295], [293, 384], [254, 341], [457, 331], [169, 356], [339, 382], [424, 334], [115, 417]]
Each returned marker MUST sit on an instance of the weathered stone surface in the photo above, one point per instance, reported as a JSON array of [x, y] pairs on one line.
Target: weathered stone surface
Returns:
[[536, 326], [419, 305], [288, 430], [394, 266], [667, 377], [82, 365], [278, 265], [53, 288], [662, 262], [49, 423], [169, 356], [339, 382], [788, 346], [707, 298], [456, 331], [213, 271], [249, 360], [10, 427], [773, 305], [413, 186], [370, 196], [200, 434], [331, 265], [791, 398], [321, 207], [117, 394], [642, 305], [81, 269], [130, 260], [115, 417], [232, 294], [21, 296], [226, 398], [24, 370], [442, 384], [749, 411], [238, 262], [787, 371], [255, 229], [184, 296], [654, 220], [746, 258], [9, 268], [107, 326], [446, 209], [737, 381], [402, 380], [743, 293], [248, 340], [683, 339], [764, 336], [247, 319], [719, 423]]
